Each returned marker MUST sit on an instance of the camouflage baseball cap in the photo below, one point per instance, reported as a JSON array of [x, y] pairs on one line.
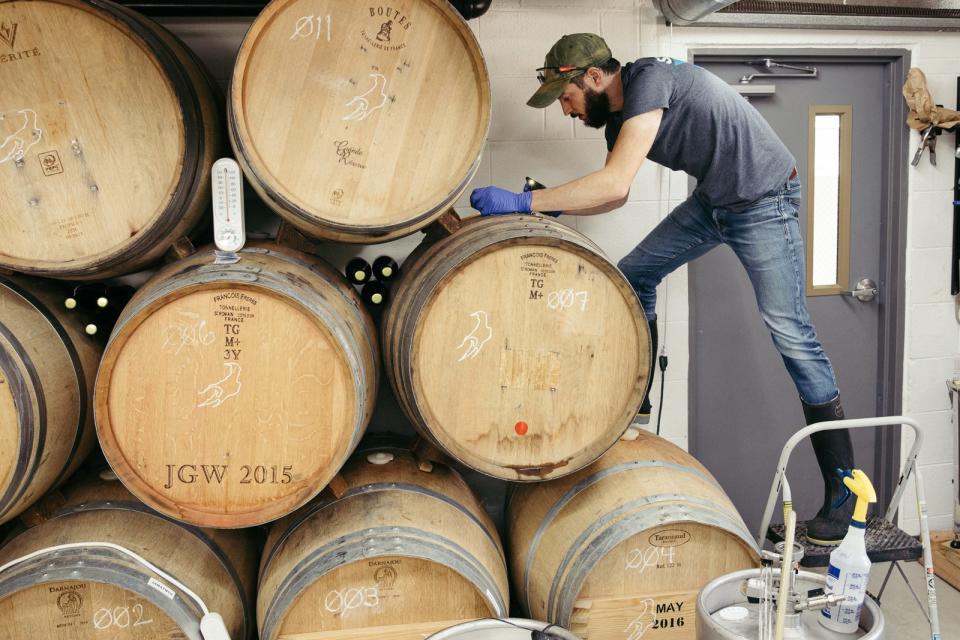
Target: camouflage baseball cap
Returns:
[[570, 57]]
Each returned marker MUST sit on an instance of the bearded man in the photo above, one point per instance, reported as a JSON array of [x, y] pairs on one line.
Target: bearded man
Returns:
[[747, 197]]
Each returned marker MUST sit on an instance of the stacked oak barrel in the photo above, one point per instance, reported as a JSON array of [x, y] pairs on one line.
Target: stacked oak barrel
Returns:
[[231, 400]]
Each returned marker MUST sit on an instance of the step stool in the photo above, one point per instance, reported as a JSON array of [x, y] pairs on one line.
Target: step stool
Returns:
[[885, 541]]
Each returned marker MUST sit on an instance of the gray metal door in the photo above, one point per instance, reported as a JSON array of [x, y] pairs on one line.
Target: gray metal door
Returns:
[[743, 404]]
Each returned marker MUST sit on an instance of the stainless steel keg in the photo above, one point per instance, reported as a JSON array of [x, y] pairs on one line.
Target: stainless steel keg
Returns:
[[724, 611]]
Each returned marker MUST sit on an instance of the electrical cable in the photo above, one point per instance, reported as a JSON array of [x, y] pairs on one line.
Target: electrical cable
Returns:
[[663, 383]]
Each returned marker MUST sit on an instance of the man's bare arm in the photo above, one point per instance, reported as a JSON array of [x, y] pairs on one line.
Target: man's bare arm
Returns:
[[607, 188]]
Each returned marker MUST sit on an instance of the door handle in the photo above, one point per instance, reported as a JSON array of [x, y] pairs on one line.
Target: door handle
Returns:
[[865, 291]]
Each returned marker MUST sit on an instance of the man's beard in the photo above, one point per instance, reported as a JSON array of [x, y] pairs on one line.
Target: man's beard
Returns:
[[597, 109]]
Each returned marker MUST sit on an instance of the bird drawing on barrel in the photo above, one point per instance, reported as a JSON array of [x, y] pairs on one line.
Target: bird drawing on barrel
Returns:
[[364, 100], [224, 389], [477, 337], [15, 146]]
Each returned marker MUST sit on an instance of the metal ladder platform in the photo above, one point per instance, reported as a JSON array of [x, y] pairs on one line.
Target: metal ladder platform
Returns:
[[886, 542], [887, 538]]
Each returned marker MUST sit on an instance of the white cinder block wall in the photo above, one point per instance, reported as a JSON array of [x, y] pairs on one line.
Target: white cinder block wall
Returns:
[[515, 35]]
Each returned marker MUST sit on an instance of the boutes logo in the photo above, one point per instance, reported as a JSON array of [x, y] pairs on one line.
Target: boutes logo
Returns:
[[8, 34], [389, 21], [385, 28]]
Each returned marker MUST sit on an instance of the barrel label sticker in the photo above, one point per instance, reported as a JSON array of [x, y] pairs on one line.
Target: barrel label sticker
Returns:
[[386, 26], [50, 163], [526, 369], [478, 336], [162, 588], [373, 98], [24, 133], [348, 155]]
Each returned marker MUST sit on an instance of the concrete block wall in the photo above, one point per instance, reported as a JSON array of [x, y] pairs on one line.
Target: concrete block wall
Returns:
[[515, 35]]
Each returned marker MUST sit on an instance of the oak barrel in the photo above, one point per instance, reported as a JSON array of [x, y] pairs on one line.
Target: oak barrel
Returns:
[[230, 393], [359, 122], [624, 546], [94, 592], [394, 553], [47, 368], [108, 130], [516, 347]]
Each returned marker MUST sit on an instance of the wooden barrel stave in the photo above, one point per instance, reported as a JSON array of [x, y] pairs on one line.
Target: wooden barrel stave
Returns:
[[405, 330], [90, 167], [319, 404], [625, 542], [425, 533], [47, 365]]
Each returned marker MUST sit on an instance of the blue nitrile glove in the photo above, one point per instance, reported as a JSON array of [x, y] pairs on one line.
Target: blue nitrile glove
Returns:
[[491, 201]]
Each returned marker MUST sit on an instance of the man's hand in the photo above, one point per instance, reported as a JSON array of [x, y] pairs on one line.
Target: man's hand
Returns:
[[491, 201]]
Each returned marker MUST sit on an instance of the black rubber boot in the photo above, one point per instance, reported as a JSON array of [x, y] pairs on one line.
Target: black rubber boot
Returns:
[[834, 450], [643, 415]]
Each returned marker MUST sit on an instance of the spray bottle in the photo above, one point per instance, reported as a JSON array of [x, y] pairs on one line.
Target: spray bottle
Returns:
[[849, 565]]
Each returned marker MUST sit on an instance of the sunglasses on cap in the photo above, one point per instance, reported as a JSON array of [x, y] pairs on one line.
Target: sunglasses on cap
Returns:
[[559, 70], [564, 69]]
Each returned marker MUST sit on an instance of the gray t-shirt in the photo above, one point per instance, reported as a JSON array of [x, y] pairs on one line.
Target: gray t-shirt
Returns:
[[708, 130]]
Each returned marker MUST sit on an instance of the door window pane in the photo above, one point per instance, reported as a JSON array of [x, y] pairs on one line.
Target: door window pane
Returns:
[[828, 234]]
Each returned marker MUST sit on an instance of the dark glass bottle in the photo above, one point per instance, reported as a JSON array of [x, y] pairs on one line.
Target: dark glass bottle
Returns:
[[87, 297], [375, 293], [358, 271], [385, 268]]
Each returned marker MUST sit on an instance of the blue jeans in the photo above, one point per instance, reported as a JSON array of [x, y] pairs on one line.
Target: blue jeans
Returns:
[[766, 238]]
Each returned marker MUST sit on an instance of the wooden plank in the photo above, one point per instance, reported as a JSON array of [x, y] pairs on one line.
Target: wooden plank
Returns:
[[946, 561], [668, 616]]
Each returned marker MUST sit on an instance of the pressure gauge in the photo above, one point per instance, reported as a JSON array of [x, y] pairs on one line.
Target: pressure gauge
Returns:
[[229, 233]]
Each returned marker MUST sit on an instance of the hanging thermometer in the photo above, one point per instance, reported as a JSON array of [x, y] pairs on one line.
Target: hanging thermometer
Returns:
[[229, 233]]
